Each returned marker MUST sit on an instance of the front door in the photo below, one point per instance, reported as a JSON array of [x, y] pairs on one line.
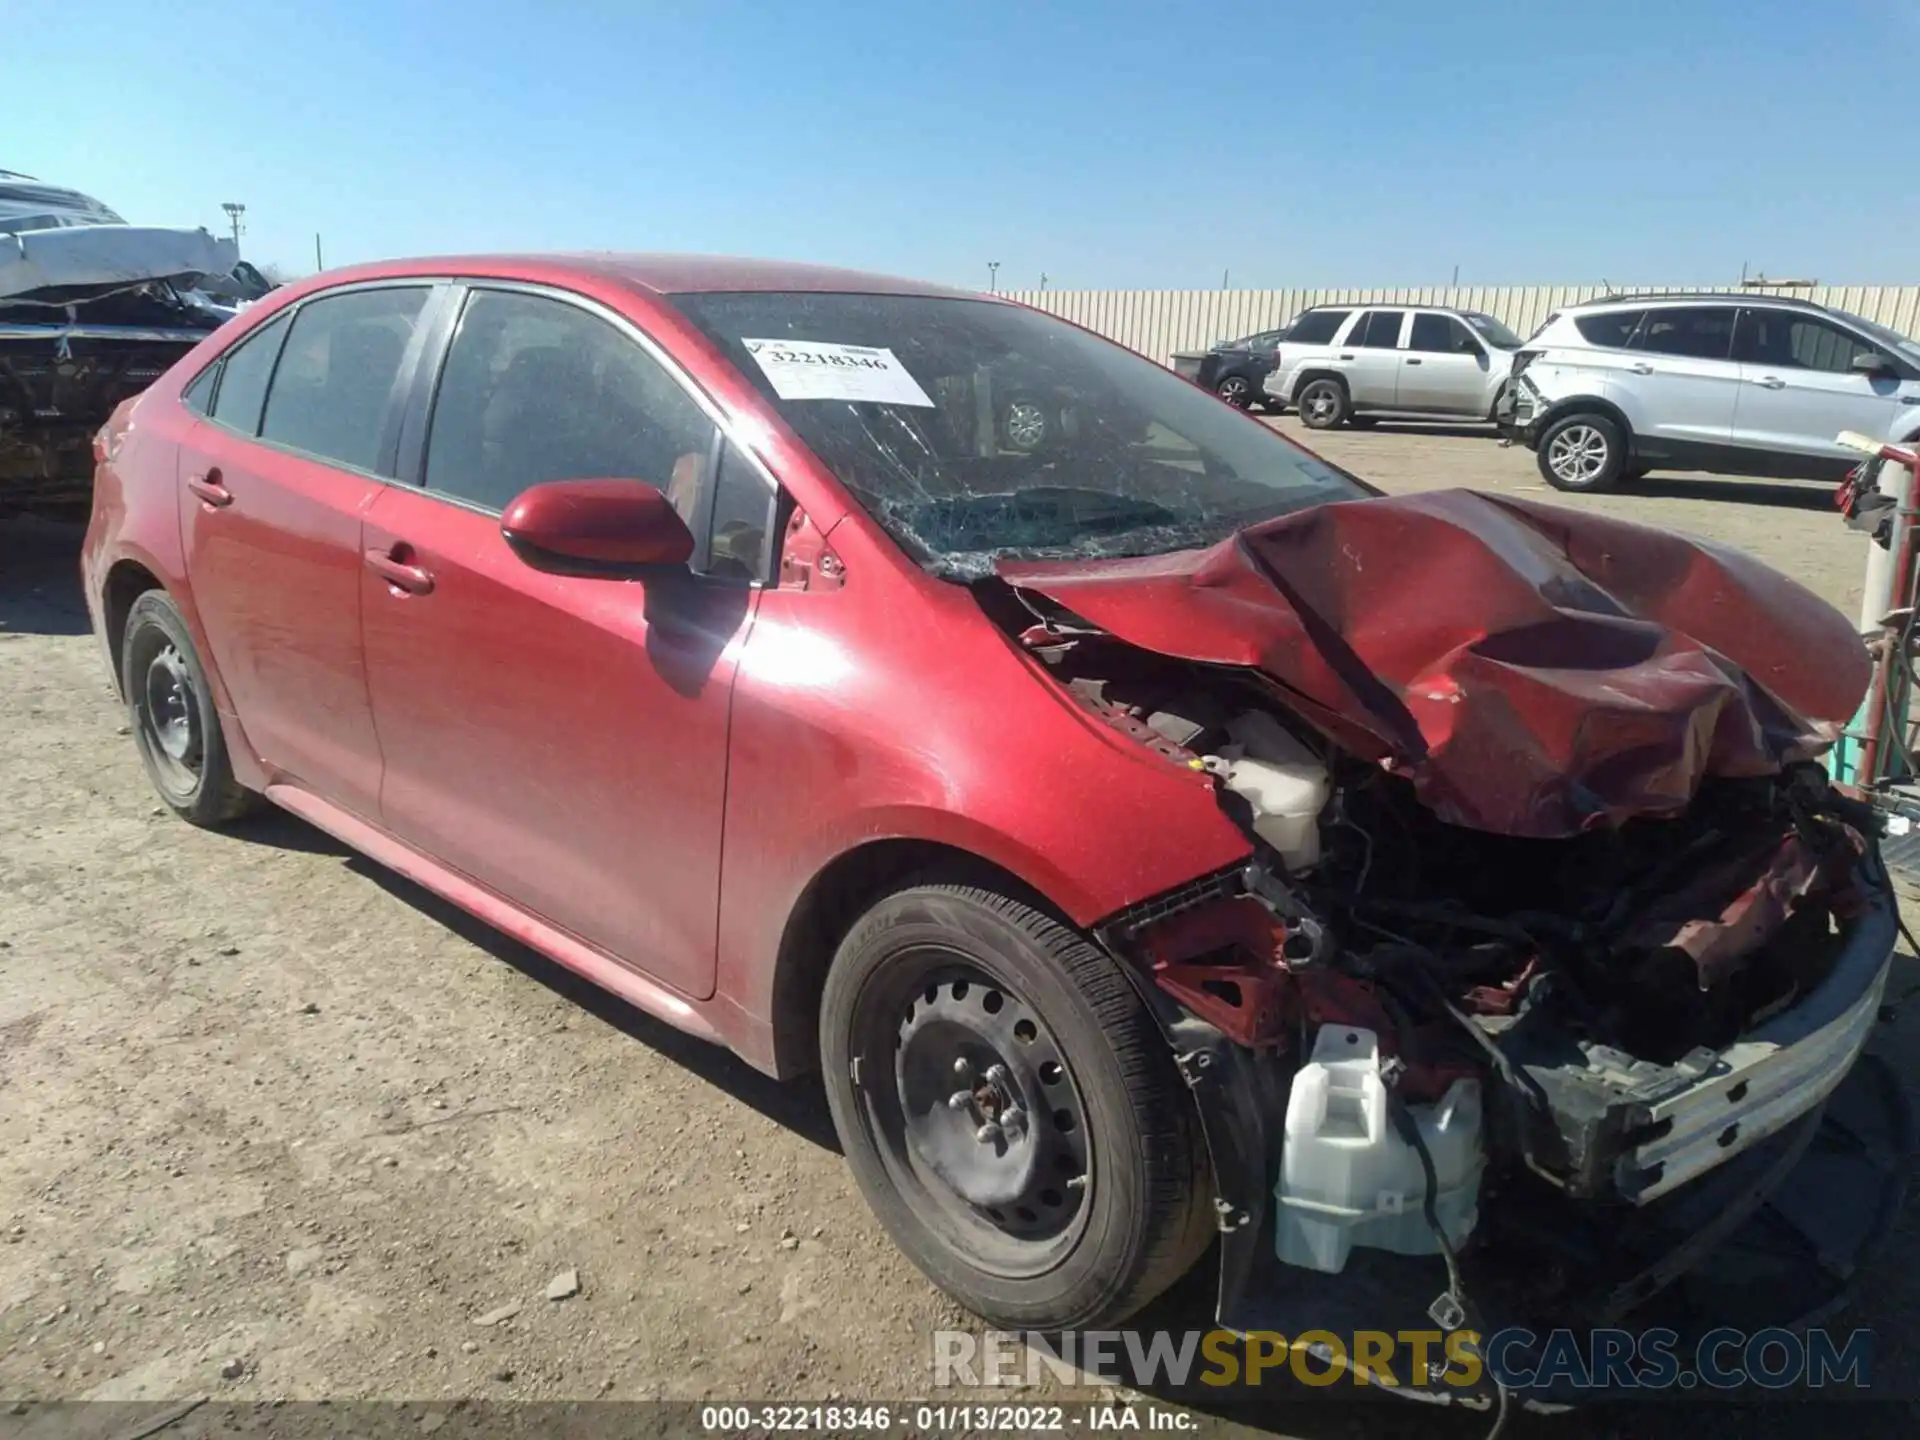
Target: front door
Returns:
[[560, 739], [1444, 370], [1798, 390], [273, 487]]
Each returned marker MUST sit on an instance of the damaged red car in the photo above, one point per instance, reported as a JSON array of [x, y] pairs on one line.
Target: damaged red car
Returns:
[[1155, 838]]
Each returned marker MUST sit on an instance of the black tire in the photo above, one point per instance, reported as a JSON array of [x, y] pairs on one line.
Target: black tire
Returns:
[[1581, 453], [1323, 403], [1031, 1241], [1235, 390], [171, 714]]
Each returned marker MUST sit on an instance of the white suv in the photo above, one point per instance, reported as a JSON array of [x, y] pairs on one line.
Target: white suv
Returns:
[[1732, 384], [1348, 364]]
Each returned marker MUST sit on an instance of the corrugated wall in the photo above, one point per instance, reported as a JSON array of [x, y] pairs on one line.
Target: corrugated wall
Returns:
[[1159, 322]]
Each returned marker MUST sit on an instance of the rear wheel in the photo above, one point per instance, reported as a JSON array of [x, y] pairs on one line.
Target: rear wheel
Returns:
[[1010, 1109], [1581, 453], [1323, 404], [170, 706]]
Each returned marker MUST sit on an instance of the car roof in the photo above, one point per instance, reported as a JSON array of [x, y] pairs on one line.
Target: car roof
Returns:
[[659, 274], [1695, 297]]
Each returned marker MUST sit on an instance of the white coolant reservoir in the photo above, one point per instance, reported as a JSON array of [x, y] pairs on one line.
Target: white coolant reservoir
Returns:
[[1346, 1176], [1281, 779]]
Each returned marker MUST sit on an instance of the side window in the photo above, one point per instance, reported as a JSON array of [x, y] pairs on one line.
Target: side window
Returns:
[[1796, 342], [244, 375], [1316, 327], [1703, 332], [1441, 334], [536, 389], [743, 509], [1611, 329], [198, 396], [332, 389], [1378, 330]]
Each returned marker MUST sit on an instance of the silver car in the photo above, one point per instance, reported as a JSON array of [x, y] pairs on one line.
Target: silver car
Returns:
[[1351, 364], [1731, 384]]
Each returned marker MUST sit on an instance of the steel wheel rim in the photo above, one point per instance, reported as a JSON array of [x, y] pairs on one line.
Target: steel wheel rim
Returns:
[[1578, 454], [168, 713], [1320, 402], [980, 1119], [1026, 425]]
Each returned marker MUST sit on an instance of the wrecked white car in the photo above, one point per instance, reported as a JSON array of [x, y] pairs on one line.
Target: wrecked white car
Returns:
[[92, 311]]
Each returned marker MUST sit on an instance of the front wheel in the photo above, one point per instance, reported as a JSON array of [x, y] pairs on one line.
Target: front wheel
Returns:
[[1581, 453], [1011, 1111]]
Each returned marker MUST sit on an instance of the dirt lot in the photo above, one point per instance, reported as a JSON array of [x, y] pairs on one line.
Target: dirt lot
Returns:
[[274, 1123]]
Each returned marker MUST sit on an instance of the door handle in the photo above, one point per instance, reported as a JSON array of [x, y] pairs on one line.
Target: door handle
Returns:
[[211, 489], [1771, 382], [393, 565], [1344, 355], [1413, 360], [1640, 367]]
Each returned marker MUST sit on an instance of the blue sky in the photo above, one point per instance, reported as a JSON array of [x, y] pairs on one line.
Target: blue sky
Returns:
[[1103, 142]]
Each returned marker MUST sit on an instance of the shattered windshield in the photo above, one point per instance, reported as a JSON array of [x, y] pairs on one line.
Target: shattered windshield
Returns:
[[976, 432]]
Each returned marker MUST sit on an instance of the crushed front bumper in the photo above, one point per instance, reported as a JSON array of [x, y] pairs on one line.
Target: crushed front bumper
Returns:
[[1516, 414], [1756, 1184]]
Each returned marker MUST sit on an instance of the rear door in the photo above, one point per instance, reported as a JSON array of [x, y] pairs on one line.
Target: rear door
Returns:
[[1370, 358], [562, 739], [1798, 389], [1683, 380], [273, 487], [1445, 370]]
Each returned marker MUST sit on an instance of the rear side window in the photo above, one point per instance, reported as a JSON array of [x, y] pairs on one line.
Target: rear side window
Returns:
[[1611, 329], [1316, 327], [1377, 330], [535, 389], [335, 380], [244, 375], [198, 396], [1703, 332]]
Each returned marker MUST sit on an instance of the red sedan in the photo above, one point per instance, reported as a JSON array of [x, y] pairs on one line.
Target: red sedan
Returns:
[[910, 686]]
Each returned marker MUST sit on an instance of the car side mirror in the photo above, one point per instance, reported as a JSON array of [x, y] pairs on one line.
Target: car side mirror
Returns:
[[1868, 362], [596, 527]]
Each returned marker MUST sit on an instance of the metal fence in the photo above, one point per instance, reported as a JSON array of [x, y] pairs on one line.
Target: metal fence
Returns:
[[1159, 322]]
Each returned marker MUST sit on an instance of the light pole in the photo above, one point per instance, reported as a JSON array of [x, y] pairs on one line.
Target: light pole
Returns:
[[993, 277], [1043, 281], [234, 211]]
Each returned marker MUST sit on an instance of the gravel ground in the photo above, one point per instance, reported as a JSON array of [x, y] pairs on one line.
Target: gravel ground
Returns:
[[275, 1123]]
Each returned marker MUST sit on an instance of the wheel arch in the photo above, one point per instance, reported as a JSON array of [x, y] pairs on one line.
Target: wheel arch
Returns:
[[1588, 405], [844, 889], [1319, 372], [126, 581]]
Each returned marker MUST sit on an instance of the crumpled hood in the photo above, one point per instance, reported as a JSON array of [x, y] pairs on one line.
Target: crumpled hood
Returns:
[[1532, 670]]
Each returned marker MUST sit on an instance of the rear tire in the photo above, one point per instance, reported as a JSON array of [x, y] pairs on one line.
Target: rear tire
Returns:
[[170, 711], [1581, 453], [1323, 404], [1235, 390], [1017, 1124]]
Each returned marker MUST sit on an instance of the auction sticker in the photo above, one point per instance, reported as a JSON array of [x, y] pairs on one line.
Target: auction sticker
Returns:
[[822, 370]]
